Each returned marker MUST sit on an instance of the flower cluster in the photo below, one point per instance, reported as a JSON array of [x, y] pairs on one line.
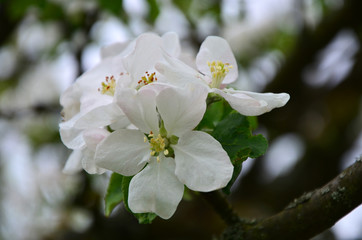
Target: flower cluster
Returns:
[[135, 114]]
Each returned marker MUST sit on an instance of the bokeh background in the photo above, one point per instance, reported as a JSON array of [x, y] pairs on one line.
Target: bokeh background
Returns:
[[310, 49]]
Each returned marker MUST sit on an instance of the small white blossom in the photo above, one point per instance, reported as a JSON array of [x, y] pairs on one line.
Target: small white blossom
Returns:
[[165, 153], [217, 67]]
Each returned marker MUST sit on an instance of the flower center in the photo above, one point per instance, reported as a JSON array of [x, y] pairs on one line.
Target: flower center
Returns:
[[158, 144], [218, 71], [146, 79], [108, 86]]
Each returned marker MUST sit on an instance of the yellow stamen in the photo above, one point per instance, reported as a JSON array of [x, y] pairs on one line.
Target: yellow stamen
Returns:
[[157, 144], [218, 71], [108, 86], [148, 78]]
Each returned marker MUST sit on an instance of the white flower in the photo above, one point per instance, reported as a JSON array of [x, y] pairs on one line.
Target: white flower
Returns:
[[217, 67], [90, 103], [164, 154], [139, 65]]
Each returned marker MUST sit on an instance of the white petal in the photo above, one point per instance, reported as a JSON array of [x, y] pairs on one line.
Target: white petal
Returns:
[[91, 80], [71, 137], [89, 164], [216, 49], [182, 108], [253, 104], [70, 100], [124, 152], [73, 164], [140, 108], [120, 123], [146, 53], [93, 99], [156, 189], [171, 44], [178, 73], [93, 137], [201, 163], [101, 116]]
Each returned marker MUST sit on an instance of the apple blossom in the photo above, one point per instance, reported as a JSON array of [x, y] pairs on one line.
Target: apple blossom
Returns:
[[165, 153], [90, 102], [87, 104], [217, 67], [139, 65]]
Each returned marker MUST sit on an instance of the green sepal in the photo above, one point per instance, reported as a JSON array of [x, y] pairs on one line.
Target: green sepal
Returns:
[[145, 218], [114, 195], [174, 139], [163, 130]]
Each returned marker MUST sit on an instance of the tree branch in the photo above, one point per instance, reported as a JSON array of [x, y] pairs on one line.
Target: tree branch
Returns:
[[310, 214]]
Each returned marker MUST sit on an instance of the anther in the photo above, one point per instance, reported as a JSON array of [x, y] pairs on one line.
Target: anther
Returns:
[[108, 86]]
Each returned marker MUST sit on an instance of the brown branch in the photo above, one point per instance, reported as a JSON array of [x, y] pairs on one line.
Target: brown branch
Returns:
[[310, 214]]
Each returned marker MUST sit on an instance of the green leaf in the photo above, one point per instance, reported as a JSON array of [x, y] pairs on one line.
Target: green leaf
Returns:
[[143, 218], [213, 115], [125, 186], [114, 195], [237, 170], [234, 134]]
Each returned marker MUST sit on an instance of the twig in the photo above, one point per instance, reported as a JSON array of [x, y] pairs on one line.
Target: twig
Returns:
[[310, 214]]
